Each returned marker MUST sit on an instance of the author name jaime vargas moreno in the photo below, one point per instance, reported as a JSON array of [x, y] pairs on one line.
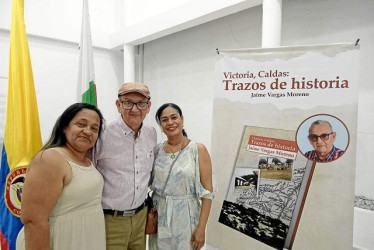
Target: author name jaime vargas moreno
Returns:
[[278, 95], [272, 146]]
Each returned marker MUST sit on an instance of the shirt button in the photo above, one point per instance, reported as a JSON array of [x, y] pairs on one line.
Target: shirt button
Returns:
[[137, 172]]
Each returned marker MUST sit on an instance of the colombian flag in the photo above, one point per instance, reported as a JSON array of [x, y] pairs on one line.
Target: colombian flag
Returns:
[[86, 76], [22, 139]]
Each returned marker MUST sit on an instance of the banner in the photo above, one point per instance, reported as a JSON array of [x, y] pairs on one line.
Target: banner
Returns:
[[86, 77], [22, 139], [284, 143]]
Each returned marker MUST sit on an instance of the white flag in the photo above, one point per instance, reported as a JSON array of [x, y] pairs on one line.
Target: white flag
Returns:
[[86, 91]]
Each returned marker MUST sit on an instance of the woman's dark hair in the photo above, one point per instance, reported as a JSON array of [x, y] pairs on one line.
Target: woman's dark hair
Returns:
[[164, 106], [58, 137]]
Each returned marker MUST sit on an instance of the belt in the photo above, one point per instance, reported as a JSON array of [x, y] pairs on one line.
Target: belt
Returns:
[[124, 213]]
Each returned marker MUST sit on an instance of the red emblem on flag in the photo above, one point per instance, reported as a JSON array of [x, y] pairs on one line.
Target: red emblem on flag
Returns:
[[13, 190]]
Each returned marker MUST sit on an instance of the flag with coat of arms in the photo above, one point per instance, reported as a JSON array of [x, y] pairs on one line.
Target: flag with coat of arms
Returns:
[[22, 138]]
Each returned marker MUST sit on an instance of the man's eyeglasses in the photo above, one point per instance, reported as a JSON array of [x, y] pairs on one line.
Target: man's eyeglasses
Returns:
[[324, 137], [128, 105]]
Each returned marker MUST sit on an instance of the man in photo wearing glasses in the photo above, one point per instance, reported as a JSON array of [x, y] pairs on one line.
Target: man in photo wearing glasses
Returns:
[[124, 157], [322, 137]]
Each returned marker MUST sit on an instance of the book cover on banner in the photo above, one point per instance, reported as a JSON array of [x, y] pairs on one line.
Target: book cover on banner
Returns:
[[302, 97], [268, 186]]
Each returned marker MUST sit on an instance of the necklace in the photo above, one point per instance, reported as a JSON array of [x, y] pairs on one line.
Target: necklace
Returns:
[[172, 156]]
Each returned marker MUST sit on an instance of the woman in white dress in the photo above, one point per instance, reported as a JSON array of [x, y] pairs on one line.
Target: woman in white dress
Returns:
[[61, 198], [181, 184]]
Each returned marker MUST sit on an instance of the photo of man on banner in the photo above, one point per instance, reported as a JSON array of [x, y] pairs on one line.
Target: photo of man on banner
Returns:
[[327, 136]]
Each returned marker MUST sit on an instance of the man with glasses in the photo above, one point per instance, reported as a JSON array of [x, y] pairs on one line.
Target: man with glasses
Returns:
[[322, 137], [124, 156]]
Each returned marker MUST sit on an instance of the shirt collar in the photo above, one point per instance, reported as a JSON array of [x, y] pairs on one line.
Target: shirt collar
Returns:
[[126, 129], [327, 158]]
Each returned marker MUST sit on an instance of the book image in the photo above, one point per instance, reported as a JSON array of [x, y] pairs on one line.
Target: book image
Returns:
[[245, 179], [276, 168], [267, 208]]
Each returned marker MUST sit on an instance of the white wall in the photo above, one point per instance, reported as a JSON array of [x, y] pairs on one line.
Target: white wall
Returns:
[[140, 10], [55, 68], [62, 19], [180, 68], [53, 43]]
